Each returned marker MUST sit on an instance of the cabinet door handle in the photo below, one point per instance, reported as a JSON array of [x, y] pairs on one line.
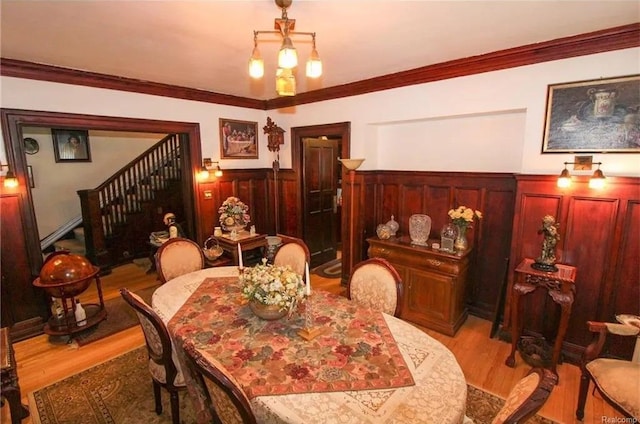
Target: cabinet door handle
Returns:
[[434, 262]]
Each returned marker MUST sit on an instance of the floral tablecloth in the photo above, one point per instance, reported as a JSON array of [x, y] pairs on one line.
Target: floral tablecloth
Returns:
[[357, 352], [438, 395]]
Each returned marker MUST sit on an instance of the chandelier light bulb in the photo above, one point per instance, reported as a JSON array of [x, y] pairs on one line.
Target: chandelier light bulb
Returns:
[[314, 65], [288, 56], [256, 64]]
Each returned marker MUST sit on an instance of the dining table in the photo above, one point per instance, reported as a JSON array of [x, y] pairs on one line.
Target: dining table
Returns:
[[364, 367]]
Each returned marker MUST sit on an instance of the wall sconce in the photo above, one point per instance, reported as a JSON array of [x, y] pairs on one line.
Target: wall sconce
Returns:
[[582, 163], [10, 180], [207, 164]]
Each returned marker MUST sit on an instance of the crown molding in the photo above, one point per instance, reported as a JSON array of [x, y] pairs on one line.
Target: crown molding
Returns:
[[617, 38]]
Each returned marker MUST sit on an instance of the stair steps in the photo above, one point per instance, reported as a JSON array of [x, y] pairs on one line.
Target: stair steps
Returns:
[[74, 245]]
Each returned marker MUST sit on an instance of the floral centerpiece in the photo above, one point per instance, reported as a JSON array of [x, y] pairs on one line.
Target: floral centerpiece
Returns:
[[462, 218], [270, 287], [234, 214]]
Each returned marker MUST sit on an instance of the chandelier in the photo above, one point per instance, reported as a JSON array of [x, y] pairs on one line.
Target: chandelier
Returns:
[[287, 56]]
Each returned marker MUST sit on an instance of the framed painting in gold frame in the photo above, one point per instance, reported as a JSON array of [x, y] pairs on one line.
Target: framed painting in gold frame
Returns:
[[595, 116], [238, 139]]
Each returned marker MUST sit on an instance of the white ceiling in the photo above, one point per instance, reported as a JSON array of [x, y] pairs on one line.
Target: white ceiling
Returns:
[[206, 44]]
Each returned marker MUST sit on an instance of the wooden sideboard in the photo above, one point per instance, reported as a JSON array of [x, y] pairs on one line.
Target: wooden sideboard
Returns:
[[434, 282]]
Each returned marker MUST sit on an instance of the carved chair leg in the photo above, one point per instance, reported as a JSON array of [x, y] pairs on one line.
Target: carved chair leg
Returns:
[[157, 397], [582, 395], [175, 407]]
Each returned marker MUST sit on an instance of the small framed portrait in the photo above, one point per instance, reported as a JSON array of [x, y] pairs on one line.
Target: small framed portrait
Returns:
[[71, 145], [596, 116], [238, 139]]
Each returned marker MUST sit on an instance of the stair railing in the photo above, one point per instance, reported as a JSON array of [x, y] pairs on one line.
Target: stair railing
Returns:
[[107, 206]]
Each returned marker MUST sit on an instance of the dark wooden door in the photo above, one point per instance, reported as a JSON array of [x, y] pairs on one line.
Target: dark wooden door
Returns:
[[320, 185]]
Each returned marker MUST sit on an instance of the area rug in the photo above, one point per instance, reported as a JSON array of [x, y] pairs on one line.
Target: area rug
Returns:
[[332, 269], [120, 391], [120, 316]]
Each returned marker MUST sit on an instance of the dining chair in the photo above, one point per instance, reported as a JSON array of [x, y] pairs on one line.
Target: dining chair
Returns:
[[165, 370], [178, 256], [527, 397], [616, 379], [293, 252], [375, 283], [224, 399]]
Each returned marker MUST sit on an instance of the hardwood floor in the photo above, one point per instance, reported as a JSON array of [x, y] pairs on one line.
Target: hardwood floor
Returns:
[[41, 362]]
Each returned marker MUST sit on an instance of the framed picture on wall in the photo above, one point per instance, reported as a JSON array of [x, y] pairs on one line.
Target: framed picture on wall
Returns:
[[71, 145], [593, 116], [238, 139]]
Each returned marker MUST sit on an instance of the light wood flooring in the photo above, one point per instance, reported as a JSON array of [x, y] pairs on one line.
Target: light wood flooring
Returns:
[[41, 363]]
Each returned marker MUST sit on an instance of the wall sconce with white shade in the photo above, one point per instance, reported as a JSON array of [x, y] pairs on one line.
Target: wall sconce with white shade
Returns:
[[582, 163], [10, 180], [287, 55], [207, 165]]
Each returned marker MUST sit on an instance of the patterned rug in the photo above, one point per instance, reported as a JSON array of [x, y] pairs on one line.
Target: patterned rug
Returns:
[[332, 269], [120, 391]]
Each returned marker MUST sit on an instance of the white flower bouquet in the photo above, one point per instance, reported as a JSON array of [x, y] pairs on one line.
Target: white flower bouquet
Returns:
[[272, 285]]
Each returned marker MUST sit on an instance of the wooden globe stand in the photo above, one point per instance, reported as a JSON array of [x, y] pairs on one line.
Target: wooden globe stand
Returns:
[[67, 292]]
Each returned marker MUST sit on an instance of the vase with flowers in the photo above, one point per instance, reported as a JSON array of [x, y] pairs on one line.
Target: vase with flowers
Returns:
[[272, 291], [234, 214], [463, 217]]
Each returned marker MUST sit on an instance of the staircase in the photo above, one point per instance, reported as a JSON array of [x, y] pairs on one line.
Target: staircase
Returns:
[[75, 245], [120, 213]]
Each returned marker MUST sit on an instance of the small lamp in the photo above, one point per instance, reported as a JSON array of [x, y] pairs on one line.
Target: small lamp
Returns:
[[207, 164], [582, 163], [10, 180], [597, 179], [218, 171], [564, 180]]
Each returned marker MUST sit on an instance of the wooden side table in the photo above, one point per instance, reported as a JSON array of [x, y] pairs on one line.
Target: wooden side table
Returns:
[[10, 389], [246, 241], [561, 287]]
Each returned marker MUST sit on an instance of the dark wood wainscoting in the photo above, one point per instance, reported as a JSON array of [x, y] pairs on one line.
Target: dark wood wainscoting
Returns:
[[599, 232], [249, 185], [403, 193]]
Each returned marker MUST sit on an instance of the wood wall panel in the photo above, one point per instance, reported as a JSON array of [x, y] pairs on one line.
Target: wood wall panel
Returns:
[[490, 274], [594, 226], [438, 200], [627, 290], [590, 229], [250, 186], [24, 308], [403, 194]]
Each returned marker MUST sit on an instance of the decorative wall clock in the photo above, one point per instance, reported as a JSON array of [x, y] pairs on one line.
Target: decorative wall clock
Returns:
[[31, 146]]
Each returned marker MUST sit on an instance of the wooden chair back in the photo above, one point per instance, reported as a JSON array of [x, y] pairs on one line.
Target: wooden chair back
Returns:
[[223, 398], [376, 284], [165, 371], [293, 252], [616, 379], [527, 397], [178, 256]]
